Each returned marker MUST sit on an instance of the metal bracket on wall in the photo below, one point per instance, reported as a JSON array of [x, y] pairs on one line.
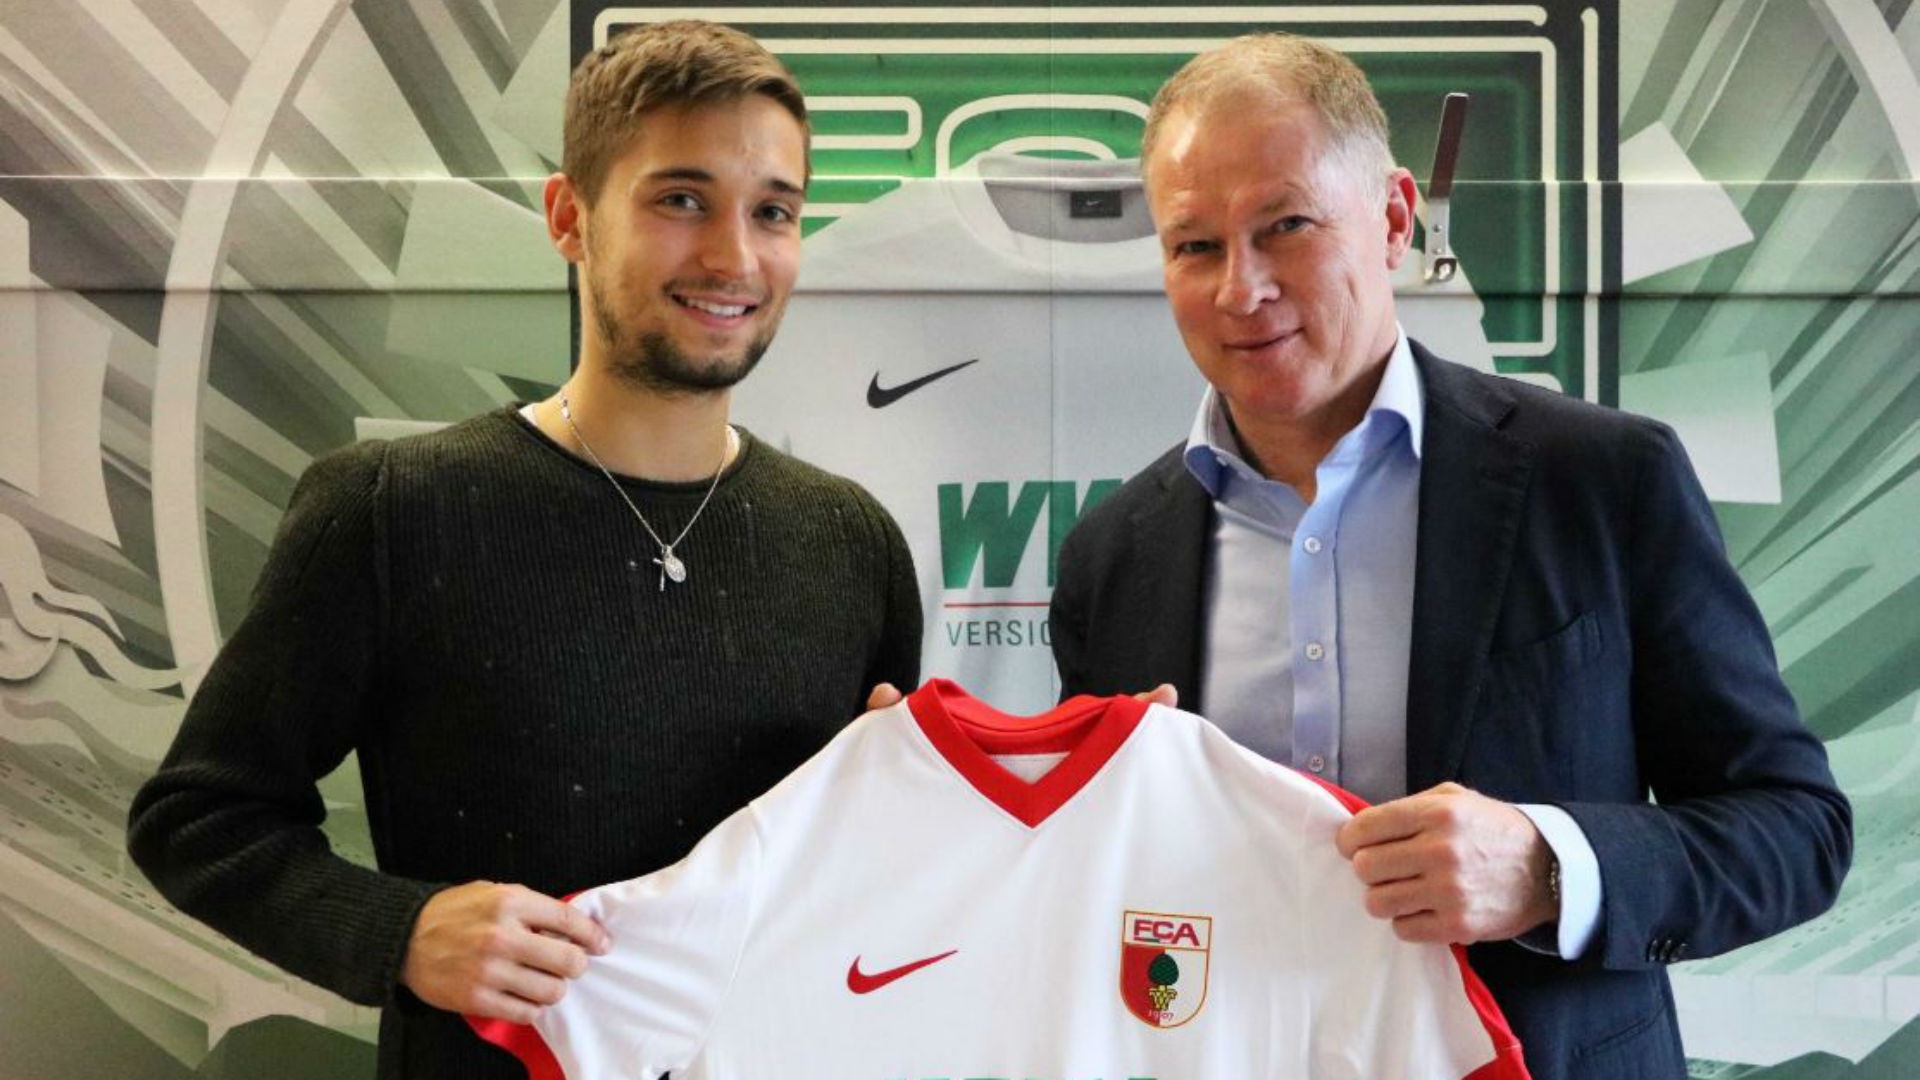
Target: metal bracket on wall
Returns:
[[1441, 263]]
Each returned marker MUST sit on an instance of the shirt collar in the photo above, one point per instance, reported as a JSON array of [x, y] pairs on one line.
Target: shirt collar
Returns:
[[1212, 448]]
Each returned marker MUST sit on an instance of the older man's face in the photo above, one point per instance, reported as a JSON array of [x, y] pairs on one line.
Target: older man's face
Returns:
[[1277, 260]]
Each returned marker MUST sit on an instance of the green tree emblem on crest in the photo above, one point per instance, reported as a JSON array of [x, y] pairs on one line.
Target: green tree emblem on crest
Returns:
[[1162, 973]]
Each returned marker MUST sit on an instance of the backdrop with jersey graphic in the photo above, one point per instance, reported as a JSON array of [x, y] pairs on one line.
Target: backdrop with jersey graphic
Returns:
[[235, 236]]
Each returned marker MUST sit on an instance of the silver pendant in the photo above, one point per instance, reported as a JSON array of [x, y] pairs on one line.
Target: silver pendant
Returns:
[[671, 567]]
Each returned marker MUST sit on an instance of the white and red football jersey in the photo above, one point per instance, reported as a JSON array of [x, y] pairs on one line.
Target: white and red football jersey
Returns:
[[1108, 891]]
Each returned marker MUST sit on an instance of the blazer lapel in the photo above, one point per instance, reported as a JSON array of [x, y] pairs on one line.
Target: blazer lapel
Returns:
[[1473, 481]]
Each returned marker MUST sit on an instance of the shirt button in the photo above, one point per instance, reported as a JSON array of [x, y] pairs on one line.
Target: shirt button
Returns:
[[1315, 651], [1312, 544], [1316, 764]]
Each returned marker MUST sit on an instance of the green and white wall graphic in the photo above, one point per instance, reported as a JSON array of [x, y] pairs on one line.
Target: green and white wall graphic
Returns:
[[237, 235]]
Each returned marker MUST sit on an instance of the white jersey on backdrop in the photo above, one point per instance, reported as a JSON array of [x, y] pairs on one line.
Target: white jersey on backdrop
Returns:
[[1041, 277], [1107, 891]]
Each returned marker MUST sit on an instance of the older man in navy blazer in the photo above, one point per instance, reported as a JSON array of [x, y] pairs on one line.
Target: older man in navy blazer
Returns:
[[1408, 577]]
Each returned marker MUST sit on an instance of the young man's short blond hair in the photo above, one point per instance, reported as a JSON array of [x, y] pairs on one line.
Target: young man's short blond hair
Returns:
[[1283, 67], [681, 62]]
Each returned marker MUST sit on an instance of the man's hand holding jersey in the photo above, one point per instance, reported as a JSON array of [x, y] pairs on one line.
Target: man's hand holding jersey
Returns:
[[499, 951], [1446, 866], [1451, 866]]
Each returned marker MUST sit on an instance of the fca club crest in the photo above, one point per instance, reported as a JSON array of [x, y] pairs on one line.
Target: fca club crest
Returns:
[[1163, 966]]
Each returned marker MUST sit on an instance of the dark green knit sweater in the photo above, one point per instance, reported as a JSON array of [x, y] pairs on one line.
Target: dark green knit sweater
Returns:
[[477, 613]]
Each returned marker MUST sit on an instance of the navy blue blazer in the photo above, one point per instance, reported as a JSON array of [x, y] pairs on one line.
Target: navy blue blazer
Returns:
[[1580, 639]]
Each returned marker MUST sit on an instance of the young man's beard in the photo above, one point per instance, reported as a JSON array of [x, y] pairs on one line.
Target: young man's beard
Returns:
[[654, 362]]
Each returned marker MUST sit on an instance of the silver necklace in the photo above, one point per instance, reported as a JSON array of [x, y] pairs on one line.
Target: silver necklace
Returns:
[[670, 564]]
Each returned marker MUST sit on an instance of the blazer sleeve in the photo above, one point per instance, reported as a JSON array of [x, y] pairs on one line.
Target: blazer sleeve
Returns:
[[1750, 834], [1067, 614], [1126, 608]]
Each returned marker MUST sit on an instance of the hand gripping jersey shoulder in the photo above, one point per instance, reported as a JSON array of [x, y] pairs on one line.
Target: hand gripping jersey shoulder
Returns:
[[1106, 891]]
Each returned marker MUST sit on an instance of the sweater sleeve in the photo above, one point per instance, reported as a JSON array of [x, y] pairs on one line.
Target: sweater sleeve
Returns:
[[228, 828]]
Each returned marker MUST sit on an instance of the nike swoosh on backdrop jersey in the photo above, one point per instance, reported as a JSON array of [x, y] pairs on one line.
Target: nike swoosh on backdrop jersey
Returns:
[[880, 397]]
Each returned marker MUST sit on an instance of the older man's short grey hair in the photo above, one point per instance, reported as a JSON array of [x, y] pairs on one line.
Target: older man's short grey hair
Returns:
[[1282, 67]]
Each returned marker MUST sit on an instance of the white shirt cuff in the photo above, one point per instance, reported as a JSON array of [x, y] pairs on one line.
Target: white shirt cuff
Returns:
[[1579, 876]]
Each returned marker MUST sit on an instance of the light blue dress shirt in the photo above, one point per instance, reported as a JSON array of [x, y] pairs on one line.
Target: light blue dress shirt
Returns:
[[1309, 614]]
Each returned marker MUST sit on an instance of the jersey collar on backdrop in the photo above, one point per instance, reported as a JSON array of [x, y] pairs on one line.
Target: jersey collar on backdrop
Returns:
[[968, 733], [944, 234], [1116, 263]]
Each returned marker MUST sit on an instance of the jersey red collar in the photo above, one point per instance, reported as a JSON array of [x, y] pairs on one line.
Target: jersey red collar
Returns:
[[968, 732]]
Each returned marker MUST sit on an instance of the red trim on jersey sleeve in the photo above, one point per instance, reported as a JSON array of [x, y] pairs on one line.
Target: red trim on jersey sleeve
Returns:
[[523, 1042], [967, 732], [1507, 1063], [1348, 799]]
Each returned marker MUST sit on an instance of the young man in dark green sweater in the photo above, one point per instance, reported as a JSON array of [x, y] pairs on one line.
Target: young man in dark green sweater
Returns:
[[567, 639]]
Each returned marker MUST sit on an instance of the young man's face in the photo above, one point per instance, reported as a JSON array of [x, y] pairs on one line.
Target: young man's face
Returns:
[[1276, 257], [689, 253]]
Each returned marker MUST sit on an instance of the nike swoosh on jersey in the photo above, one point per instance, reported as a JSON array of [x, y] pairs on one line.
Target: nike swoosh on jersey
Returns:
[[880, 397], [861, 983]]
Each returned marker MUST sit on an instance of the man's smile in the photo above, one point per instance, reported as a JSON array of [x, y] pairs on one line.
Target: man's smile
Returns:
[[1260, 344], [715, 311]]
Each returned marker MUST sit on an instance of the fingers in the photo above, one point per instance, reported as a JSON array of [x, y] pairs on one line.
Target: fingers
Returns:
[[500, 951], [1435, 927], [1386, 823], [550, 943], [544, 913], [1397, 861], [883, 695], [1419, 905], [547, 955], [529, 984], [1166, 694], [1449, 865], [1425, 928], [1420, 913], [1396, 899], [499, 1005], [1438, 809]]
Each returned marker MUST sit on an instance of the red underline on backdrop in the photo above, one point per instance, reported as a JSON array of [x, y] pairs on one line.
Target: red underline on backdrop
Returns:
[[1001, 603]]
